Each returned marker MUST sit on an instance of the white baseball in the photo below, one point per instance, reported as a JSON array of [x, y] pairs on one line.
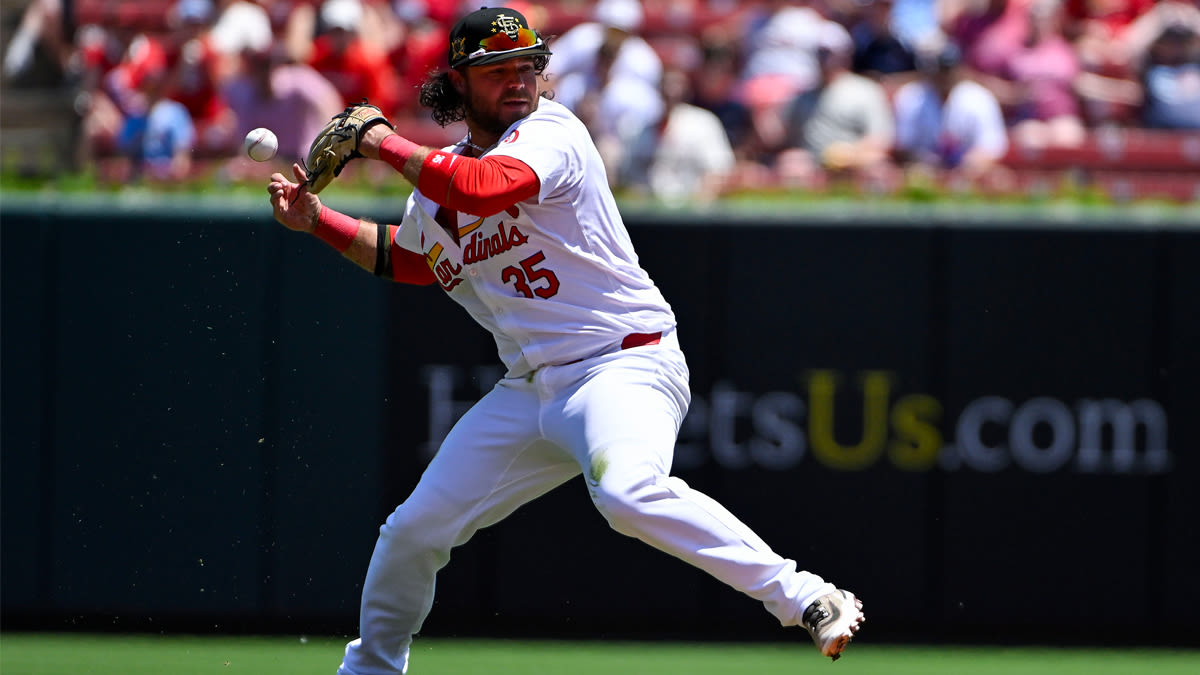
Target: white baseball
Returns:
[[261, 144]]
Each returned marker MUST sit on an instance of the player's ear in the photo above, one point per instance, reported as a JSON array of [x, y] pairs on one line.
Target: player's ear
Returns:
[[458, 81]]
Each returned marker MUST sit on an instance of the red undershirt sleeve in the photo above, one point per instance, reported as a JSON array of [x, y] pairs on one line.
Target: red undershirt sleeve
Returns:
[[482, 187], [408, 267]]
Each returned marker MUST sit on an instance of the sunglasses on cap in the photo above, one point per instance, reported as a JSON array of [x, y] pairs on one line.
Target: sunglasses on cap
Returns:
[[493, 34]]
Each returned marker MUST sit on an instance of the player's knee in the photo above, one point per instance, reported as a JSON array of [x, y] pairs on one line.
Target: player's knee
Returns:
[[411, 528], [623, 504]]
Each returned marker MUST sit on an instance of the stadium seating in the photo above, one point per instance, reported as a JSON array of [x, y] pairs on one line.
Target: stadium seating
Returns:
[[1121, 163]]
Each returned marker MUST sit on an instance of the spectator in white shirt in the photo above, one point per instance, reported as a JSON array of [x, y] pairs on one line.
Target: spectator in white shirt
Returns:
[[609, 76], [844, 124], [693, 158], [780, 64], [947, 120]]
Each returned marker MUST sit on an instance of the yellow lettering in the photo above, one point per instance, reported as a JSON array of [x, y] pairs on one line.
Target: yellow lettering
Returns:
[[918, 439], [822, 390], [431, 258]]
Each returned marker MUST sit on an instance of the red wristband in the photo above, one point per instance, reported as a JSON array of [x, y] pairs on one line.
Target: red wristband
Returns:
[[436, 171], [396, 150], [336, 229]]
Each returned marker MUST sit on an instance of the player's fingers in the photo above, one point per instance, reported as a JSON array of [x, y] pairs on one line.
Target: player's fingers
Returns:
[[301, 174], [278, 184]]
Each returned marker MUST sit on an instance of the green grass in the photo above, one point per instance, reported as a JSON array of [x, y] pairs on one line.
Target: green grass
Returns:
[[58, 654]]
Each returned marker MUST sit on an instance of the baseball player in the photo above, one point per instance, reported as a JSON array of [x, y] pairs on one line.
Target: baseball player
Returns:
[[518, 225]]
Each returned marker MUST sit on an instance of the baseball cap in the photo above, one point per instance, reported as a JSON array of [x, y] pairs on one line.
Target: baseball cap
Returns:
[[832, 38], [344, 14], [623, 15], [242, 25], [939, 58], [493, 34]]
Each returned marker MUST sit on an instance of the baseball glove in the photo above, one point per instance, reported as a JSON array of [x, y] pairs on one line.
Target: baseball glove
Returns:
[[338, 142]]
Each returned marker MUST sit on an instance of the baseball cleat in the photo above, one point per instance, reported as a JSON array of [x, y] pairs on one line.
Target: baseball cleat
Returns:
[[832, 620]]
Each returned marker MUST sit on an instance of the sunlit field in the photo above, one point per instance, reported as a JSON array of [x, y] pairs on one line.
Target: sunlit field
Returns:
[[68, 654]]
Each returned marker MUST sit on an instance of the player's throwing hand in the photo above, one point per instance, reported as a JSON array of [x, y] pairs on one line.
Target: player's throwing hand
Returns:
[[295, 207]]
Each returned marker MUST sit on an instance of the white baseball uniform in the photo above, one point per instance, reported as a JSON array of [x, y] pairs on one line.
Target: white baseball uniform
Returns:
[[557, 283]]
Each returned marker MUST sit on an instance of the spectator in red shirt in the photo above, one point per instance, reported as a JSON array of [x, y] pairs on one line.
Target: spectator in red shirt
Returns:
[[114, 92], [195, 76], [1097, 29], [422, 49], [1094, 25], [357, 67]]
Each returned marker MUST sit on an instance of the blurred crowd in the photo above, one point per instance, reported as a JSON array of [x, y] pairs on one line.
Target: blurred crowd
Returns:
[[685, 98]]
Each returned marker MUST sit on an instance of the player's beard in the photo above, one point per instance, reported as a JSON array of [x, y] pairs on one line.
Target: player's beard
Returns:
[[489, 117]]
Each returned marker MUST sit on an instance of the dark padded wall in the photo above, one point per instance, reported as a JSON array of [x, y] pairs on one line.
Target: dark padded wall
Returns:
[[206, 418]]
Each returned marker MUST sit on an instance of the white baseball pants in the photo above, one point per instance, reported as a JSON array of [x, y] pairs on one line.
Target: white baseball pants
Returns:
[[614, 418]]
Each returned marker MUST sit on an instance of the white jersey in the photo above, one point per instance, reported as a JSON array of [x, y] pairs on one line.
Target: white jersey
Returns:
[[554, 279]]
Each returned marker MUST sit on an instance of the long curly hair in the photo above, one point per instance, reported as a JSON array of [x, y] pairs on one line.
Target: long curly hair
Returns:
[[439, 95]]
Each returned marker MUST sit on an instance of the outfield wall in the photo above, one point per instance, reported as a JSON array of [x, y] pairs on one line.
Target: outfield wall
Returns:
[[987, 429]]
